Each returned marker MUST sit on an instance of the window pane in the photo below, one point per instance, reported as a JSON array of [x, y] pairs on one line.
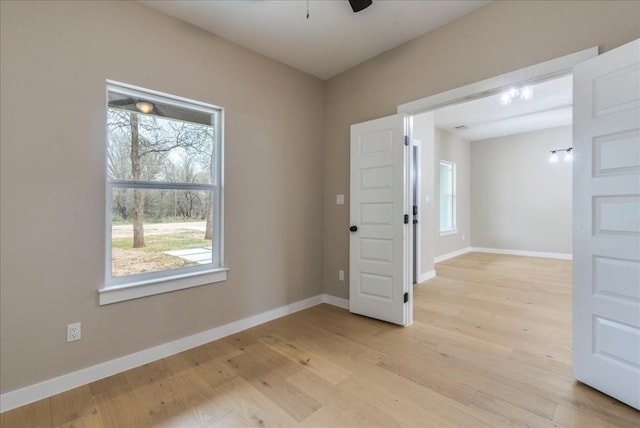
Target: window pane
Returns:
[[154, 148], [174, 229], [446, 213], [447, 210], [446, 181]]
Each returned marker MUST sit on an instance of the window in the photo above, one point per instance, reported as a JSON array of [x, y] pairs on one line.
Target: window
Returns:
[[447, 198], [163, 194]]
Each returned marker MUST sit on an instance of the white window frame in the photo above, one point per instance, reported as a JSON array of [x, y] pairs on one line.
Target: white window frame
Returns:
[[453, 229], [151, 283]]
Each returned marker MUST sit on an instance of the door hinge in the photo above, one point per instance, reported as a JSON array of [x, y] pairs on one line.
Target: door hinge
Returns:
[[406, 297], [415, 210], [406, 219], [406, 140]]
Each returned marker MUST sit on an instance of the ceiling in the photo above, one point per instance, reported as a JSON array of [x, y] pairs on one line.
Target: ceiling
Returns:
[[331, 41], [335, 39], [550, 107]]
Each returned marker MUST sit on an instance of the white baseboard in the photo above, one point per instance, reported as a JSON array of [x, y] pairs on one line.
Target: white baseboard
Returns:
[[335, 301], [47, 388], [425, 276], [452, 255], [560, 256]]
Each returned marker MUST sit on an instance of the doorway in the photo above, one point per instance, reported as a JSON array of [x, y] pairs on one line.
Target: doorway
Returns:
[[423, 124], [495, 155]]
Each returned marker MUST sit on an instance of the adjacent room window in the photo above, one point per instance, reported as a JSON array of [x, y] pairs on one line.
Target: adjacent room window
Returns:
[[447, 197], [163, 195]]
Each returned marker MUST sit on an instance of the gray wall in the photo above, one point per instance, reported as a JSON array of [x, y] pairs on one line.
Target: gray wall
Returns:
[[519, 200], [55, 58], [451, 148], [500, 37]]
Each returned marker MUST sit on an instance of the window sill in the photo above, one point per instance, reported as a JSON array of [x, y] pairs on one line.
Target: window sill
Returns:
[[449, 232], [135, 290]]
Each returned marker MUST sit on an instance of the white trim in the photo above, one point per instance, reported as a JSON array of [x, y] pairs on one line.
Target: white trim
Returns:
[[448, 232], [335, 301], [47, 388], [160, 97], [418, 177], [407, 231], [135, 290], [544, 255], [452, 254], [536, 73], [425, 276]]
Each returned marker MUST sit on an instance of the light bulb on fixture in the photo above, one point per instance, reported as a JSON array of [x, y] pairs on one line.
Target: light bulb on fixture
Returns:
[[505, 99], [144, 106], [526, 93], [569, 156]]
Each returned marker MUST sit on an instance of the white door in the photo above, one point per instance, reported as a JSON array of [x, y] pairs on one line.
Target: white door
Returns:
[[379, 238], [606, 204]]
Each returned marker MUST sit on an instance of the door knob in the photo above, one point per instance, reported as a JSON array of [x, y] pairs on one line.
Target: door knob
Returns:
[[353, 228]]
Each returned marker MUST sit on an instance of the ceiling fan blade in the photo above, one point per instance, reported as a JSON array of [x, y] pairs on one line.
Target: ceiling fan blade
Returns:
[[358, 5]]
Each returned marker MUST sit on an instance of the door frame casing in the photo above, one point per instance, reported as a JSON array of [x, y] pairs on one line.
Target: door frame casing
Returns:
[[416, 152]]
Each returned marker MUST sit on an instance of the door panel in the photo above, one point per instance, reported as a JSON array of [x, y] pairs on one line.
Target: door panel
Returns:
[[378, 265], [606, 246]]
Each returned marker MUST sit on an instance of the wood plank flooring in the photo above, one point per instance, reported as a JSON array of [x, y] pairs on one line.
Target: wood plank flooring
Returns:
[[490, 347]]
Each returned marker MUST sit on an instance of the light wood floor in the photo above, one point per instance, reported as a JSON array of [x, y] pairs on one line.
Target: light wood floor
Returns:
[[490, 347]]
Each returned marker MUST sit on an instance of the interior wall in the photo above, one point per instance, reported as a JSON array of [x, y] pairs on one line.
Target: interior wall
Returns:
[[55, 59], [500, 37], [519, 200], [451, 148]]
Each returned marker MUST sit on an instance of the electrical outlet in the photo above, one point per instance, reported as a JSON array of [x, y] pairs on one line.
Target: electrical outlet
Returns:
[[74, 331], [341, 275], [463, 237]]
